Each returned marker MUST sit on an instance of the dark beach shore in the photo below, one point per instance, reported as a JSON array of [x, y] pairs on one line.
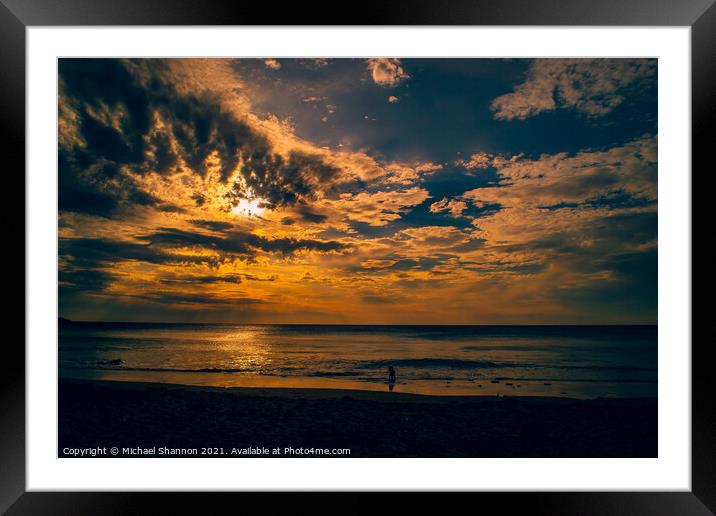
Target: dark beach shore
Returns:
[[151, 419]]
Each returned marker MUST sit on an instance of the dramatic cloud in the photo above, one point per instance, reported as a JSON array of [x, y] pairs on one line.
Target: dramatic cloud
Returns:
[[236, 243], [617, 177], [254, 190], [591, 86], [125, 120], [579, 214]]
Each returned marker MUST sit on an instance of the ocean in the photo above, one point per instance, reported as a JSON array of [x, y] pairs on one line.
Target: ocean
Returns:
[[568, 361]]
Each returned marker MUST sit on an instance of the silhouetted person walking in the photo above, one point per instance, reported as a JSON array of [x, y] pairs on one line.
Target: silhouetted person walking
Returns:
[[391, 374]]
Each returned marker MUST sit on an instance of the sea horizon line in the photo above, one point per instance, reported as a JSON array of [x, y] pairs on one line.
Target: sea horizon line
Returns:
[[535, 325]]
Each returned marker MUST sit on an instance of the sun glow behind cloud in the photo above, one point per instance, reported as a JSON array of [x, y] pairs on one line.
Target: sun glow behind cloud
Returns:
[[249, 207], [245, 190]]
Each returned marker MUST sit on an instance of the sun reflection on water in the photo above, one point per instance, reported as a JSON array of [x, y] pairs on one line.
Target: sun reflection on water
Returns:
[[244, 348]]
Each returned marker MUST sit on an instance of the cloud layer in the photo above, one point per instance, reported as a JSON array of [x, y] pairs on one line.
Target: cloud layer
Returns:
[[593, 87], [180, 199]]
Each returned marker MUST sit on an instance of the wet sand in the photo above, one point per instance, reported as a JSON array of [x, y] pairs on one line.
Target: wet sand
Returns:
[[432, 387], [144, 418]]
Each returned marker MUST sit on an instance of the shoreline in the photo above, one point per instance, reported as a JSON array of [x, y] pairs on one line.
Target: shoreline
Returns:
[[447, 387], [337, 392], [136, 415]]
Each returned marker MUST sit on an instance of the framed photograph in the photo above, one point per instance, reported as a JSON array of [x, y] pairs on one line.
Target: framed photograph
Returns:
[[439, 250]]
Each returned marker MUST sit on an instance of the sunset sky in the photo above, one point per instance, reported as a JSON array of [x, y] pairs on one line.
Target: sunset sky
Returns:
[[358, 191]]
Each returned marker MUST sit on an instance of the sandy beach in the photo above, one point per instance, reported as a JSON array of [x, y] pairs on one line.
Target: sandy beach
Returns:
[[145, 418]]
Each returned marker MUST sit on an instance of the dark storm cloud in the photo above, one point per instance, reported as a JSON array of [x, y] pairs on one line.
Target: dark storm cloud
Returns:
[[84, 280], [615, 200], [209, 280], [201, 280], [309, 216], [87, 278], [130, 120], [513, 269], [179, 298], [170, 208], [212, 225], [199, 199], [92, 252], [282, 181], [237, 243], [88, 257]]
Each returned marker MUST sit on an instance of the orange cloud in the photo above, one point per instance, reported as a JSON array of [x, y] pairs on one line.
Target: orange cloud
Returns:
[[386, 71], [205, 237]]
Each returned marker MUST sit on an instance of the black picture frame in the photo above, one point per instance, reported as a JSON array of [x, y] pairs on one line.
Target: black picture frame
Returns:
[[17, 15]]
